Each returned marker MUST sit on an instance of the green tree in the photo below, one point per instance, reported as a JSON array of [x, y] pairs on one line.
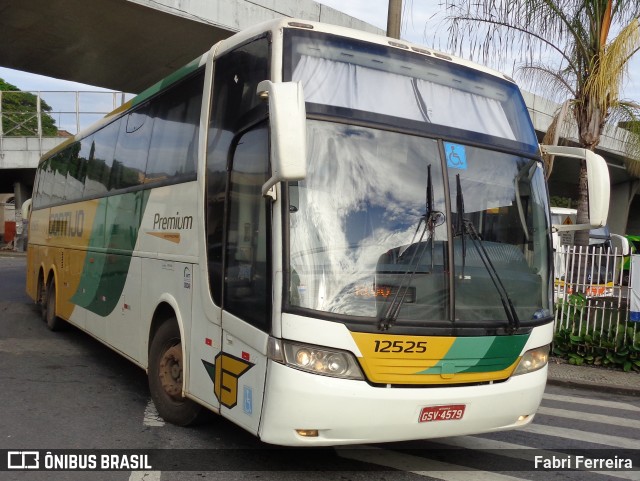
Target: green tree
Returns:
[[20, 113], [576, 49]]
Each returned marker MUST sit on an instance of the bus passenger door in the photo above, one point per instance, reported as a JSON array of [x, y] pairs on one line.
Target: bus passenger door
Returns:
[[246, 318]]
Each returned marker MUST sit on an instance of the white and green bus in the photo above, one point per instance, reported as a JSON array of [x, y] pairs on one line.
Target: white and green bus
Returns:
[[323, 235]]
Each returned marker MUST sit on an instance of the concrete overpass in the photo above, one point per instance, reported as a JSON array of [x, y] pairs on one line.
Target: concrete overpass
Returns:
[[123, 45], [128, 45]]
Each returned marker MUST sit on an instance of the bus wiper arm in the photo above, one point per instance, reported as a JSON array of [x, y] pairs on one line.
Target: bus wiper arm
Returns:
[[469, 229], [459, 228], [509, 310], [428, 222]]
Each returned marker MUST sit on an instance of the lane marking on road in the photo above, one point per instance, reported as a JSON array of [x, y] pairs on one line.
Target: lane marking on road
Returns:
[[591, 402], [432, 469], [584, 436], [151, 416], [145, 476], [590, 417], [518, 451]]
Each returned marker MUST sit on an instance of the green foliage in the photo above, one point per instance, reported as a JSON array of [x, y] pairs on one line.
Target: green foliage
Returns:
[[558, 201], [575, 51], [595, 344], [19, 113]]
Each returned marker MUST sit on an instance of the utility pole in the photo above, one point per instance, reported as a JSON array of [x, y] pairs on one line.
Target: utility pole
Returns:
[[394, 18]]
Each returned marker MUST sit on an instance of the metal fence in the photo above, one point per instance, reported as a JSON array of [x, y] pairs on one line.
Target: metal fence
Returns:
[[592, 292], [32, 114]]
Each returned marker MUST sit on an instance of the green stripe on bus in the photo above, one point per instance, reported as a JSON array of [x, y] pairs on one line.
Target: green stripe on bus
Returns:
[[165, 82], [481, 354], [106, 265]]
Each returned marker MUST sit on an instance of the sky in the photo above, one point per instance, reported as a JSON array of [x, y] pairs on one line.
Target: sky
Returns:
[[422, 24]]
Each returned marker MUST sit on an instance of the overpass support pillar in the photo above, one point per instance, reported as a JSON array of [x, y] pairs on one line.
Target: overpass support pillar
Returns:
[[20, 194], [619, 208]]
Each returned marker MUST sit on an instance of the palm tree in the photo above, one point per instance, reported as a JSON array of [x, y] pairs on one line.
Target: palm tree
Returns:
[[577, 49]]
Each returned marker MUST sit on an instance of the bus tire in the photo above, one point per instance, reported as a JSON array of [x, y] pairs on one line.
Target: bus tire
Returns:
[[42, 298], [54, 323], [165, 376]]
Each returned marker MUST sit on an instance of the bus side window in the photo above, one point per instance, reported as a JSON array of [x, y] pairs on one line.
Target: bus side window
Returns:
[[174, 140], [75, 176], [100, 160], [247, 281], [47, 183], [38, 186], [60, 167], [131, 152]]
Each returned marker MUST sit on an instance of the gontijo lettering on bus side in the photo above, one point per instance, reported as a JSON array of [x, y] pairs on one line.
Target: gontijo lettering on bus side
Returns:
[[66, 224]]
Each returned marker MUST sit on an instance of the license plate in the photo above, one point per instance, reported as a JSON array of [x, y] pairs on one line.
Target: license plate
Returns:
[[451, 412]]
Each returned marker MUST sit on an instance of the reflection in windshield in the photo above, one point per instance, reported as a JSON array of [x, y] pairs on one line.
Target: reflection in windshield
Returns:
[[364, 196], [353, 224], [505, 205], [465, 228], [418, 246]]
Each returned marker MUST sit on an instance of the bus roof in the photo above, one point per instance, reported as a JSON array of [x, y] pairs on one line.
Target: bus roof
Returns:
[[279, 24]]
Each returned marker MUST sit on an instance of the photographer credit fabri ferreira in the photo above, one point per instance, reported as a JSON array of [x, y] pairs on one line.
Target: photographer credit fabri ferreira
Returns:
[[582, 462]]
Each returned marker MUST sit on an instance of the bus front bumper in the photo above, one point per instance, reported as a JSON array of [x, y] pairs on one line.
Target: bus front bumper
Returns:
[[352, 412]]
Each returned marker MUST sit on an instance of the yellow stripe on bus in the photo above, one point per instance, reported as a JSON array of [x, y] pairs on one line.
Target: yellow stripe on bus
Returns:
[[61, 236]]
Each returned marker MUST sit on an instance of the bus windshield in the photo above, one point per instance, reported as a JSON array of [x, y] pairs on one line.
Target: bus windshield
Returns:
[[360, 243], [353, 224]]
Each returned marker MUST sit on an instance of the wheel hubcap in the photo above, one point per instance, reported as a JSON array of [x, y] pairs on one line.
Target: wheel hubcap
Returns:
[[171, 371]]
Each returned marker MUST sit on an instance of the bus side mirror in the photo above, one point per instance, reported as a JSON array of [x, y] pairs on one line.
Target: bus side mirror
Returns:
[[598, 180], [288, 128], [621, 243], [26, 209]]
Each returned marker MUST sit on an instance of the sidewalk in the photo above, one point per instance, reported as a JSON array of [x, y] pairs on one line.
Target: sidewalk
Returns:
[[562, 373], [12, 253]]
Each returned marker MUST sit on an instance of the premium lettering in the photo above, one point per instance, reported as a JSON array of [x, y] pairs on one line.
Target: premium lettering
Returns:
[[176, 222]]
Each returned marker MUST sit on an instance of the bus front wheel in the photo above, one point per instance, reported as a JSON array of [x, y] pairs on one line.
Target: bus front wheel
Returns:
[[165, 376]]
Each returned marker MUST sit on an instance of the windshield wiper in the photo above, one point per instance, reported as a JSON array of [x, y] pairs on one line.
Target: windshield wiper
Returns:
[[465, 226], [428, 222]]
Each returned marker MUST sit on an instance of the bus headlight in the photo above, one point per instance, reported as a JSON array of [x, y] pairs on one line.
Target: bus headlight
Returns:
[[533, 360], [314, 359]]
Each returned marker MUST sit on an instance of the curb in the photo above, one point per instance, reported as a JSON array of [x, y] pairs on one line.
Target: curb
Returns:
[[5, 253], [592, 386], [599, 379]]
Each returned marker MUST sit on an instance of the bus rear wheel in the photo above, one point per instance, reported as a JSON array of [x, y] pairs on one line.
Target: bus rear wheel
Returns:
[[165, 376], [54, 323], [42, 298]]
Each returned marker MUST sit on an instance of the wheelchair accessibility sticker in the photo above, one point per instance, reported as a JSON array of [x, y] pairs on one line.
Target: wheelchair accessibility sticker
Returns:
[[456, 156]]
